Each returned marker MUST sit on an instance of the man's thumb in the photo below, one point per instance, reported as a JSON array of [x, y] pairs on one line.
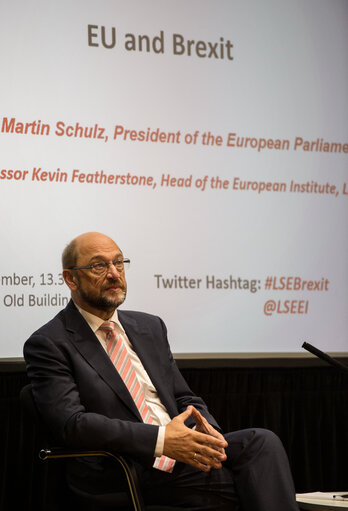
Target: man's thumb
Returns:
[[186, 414]]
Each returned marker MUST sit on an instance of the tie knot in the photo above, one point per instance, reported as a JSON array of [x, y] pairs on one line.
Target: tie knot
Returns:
[[108, 326], [109, 329]]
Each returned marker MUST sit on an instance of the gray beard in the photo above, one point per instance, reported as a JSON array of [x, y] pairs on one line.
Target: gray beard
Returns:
[[102, 302]]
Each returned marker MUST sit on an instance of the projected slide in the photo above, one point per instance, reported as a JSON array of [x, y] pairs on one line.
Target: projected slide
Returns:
[[208, 139]]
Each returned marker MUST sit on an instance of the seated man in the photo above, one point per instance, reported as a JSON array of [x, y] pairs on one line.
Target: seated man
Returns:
[[106, 379]]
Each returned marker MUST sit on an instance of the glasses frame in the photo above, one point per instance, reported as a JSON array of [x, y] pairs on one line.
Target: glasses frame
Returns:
[[107, 265]]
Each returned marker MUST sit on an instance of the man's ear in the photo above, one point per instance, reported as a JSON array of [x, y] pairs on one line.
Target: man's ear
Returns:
[[70, 279]]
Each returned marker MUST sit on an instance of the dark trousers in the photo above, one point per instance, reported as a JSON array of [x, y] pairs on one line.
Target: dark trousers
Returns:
[[255, 477]]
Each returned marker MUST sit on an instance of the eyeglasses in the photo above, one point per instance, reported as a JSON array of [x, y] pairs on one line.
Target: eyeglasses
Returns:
[[102, 267]]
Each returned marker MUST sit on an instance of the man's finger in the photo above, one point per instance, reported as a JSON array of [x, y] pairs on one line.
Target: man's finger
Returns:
[[210, 440], [204, 461], [197, 415], [208, 451], [185, 415]]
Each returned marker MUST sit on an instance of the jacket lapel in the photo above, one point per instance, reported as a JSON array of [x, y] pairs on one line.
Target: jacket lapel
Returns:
[[92, 351]]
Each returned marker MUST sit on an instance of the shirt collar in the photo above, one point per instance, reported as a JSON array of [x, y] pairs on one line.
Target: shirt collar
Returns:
[[94, 321]]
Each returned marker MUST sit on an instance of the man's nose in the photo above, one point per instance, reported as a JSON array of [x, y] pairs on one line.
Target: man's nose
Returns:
[[112, 270]]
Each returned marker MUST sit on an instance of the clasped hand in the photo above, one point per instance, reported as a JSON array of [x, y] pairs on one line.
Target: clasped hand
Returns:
[[203, 447]]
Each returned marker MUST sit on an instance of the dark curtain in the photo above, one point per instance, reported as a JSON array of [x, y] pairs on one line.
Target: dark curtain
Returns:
[[306, 406]]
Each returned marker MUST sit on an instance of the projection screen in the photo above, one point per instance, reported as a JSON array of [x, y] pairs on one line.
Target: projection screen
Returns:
[[208, 139]]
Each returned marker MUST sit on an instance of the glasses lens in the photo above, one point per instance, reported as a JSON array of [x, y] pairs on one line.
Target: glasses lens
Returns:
[[99, 268], [119, 265]]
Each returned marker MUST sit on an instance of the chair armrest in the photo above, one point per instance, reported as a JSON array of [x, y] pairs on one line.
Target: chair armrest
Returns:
[[128, 467]]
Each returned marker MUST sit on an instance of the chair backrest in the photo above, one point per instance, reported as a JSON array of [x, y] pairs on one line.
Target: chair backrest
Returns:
[[48, 488], [29, 407]]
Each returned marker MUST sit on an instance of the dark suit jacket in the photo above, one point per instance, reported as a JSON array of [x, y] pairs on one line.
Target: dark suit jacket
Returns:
[[81, 396]]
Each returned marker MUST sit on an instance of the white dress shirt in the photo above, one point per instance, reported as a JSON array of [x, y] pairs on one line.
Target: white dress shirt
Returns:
[[159, 413]]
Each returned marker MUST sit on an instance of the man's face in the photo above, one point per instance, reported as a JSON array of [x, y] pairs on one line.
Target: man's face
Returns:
[[99, 294]]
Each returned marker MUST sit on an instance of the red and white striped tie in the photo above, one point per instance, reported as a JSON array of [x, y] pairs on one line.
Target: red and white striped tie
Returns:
[[118, 353]]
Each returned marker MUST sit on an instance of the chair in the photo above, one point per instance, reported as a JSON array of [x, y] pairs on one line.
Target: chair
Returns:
[[120, 500]]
